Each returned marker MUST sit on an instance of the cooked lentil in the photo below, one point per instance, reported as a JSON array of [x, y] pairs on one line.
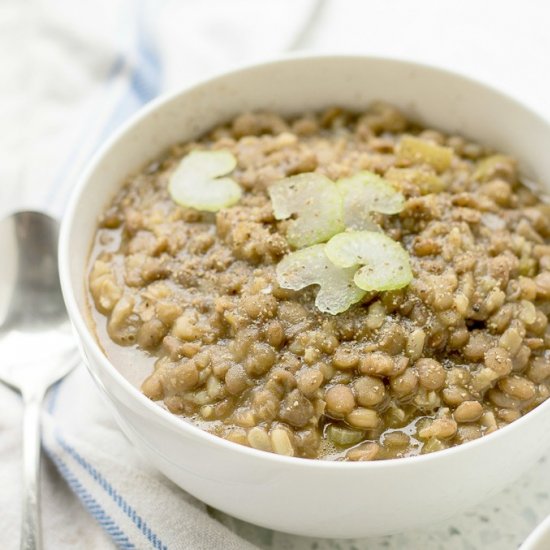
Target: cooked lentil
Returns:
[[462, 351]]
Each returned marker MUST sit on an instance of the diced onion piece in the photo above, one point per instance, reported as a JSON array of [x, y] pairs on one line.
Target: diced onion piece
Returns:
[[495, 166], [420, 151], [198, 183], [367, 192], [316, 203], [385, 262], [423, 177], [492, 221], [310, 266]]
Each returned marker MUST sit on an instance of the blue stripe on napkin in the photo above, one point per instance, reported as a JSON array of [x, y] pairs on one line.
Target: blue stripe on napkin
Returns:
[[95, 509], [100, 479], [120, 538], [58, 180], [144, 84]]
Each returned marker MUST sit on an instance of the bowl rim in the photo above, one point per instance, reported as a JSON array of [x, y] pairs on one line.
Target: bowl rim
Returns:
[[182, 424], [540, 534]]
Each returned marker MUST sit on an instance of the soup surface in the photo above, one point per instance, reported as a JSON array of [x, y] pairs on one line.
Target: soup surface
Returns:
[[190, 304]]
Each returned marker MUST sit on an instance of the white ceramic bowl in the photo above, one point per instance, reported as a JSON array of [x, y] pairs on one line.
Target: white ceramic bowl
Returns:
[[307, 497], [539, 539]]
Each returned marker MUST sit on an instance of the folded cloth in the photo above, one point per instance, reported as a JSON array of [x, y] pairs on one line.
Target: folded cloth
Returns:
[[72, 72]]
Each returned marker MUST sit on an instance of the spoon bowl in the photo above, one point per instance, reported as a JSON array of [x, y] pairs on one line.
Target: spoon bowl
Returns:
[[36, 342]]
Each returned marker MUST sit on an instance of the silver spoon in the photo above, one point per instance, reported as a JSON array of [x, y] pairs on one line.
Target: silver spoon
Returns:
[[36, 343]]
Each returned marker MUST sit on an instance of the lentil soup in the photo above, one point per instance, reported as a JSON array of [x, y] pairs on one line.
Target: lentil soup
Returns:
[[192, 300]]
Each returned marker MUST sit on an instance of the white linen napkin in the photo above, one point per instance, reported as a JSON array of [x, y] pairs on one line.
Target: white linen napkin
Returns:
[[134, 504], [71, 73]]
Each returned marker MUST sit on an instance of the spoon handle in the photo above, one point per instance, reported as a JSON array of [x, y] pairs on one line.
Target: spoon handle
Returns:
[[31, 536]]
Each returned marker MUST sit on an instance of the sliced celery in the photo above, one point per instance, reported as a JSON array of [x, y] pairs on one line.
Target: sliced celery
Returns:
[[310, 266], [364, 193], [198, 183], [315, 203], [385, 262]]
